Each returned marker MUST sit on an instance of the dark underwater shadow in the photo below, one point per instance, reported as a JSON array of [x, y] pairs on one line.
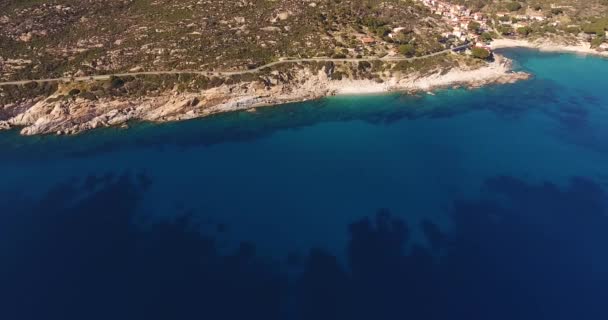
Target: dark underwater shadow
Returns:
[[523, 251], [77, 254]]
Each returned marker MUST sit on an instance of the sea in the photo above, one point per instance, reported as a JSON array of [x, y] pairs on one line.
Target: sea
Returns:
[[487, 204]]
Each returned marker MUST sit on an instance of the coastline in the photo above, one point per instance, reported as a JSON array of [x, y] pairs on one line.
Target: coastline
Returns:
[[547, 46], [496, 72], [79, 115]]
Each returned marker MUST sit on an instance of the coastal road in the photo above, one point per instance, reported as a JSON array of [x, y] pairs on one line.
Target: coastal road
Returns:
[[230, 73]]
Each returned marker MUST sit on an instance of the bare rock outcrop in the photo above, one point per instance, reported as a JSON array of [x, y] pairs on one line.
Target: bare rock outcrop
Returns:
[[74, 115], [4, 125]]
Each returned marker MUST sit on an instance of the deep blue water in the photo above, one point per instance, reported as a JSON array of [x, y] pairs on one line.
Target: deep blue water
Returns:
[[482, 204]]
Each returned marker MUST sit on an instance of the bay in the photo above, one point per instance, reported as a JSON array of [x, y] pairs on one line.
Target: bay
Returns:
[[486, 203]]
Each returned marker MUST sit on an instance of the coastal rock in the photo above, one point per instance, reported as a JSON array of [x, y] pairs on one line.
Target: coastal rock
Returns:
[[77, 115], [4, 125]]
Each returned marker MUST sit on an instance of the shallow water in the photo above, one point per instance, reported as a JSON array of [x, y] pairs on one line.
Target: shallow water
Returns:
[[477, 204]]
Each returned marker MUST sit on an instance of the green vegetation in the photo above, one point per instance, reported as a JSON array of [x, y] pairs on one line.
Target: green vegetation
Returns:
[[21, 93], [486, 36], [480, 53], [474, 27], [73, 37], [513, 6], [524, 31], [573, 29], [407, 50], [596, 26], [377, 26], [505, 30], [597, 41]]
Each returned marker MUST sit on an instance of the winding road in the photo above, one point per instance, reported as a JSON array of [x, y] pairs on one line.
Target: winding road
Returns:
[[230, 73]]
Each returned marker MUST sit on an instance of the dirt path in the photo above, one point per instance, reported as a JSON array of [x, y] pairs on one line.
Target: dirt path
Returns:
[[227, 73]]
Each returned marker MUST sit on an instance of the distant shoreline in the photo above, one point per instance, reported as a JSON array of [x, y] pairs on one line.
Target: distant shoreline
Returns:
[[547, 46]]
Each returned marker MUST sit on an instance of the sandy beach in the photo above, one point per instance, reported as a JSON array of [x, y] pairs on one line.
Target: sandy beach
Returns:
[[496, 72], [548, 46]]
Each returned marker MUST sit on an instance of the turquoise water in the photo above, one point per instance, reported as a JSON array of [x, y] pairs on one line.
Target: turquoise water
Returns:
[[293, 178]]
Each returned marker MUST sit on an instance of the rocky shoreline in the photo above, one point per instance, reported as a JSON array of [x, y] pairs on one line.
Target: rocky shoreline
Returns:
[[47, 116]]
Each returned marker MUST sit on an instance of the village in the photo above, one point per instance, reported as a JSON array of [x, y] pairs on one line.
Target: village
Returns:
[[480, 28], [467, 26]]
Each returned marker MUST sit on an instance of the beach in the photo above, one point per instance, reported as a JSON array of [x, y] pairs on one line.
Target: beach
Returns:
[[547, 46]]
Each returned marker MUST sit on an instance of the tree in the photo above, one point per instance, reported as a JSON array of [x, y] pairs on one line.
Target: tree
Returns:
[[480, 53], [364, 65], [513, 6], [505, 30], [486, 36], [524, 31], [474, 26], [407, 50]]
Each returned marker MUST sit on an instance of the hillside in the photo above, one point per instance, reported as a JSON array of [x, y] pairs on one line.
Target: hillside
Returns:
[[74, 37], [223, 50]]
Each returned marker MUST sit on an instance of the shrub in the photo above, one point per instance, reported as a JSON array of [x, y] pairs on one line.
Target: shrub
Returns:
[[364, 65], [597, 41], [513, 6], [480, 53], [505, 30], [474, 26], [407, 50], [524, 31], [337, 75], [116, 82], [74, 92]]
